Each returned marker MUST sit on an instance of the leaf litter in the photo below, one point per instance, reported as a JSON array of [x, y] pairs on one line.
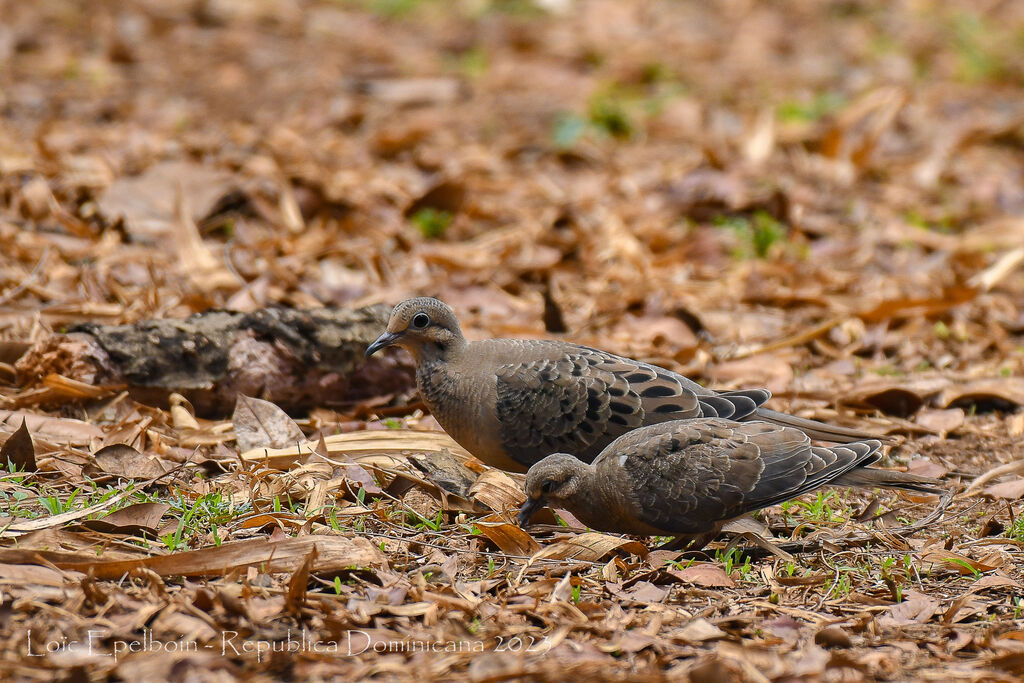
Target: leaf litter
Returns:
[[824, 199]]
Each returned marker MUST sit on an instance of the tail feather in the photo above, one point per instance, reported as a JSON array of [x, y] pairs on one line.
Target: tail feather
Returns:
[[890, 479], [812, 428]]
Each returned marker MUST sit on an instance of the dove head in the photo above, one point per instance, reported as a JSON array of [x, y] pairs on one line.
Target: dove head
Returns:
[[556, 480], [425, 327]]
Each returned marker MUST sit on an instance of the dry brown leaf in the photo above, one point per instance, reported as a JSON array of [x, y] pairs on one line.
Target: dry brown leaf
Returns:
[[59, 430], [121, 460], [942, 422], [642, 591], [182, 412], [18, 453], [41, 523], [146, 201], [919, 306], [591, 547], [360, 445], [295, 598], [926, 468], [961, 563], [498, 491], [261, 424], [138, 519], [1007, 490], [508, 537], [698, 631], [334, 554], [1004, 393], [703, 574], [34, 575], [915, 609], [900, 398]]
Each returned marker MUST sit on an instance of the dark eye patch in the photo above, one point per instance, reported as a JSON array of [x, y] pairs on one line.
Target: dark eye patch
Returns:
[[420, 320], [548, 486]]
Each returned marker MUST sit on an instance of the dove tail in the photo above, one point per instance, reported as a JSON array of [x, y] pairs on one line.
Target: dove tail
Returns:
[[891, 479], [812, 428]]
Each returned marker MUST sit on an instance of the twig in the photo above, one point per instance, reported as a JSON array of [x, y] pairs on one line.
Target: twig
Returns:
[[23, 285]]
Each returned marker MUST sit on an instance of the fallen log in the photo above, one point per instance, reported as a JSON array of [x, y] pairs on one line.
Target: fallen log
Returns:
[[295, 358]]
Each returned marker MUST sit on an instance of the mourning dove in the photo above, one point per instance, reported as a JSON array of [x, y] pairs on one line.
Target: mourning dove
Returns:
[[689, 477], [511, 402]]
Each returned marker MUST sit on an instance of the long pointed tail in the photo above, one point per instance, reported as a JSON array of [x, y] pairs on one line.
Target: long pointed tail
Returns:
[[812, 428], [891, 479]]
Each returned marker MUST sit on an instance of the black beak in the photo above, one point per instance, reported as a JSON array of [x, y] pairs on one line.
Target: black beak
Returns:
[[384, 340], [526, 511]]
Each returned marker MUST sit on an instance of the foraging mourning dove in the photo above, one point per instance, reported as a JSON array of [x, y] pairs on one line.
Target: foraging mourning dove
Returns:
[[688, 477], [511, 402]]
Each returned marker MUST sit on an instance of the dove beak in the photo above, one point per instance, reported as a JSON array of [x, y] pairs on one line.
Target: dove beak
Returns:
[[383, 341], [526, 511]]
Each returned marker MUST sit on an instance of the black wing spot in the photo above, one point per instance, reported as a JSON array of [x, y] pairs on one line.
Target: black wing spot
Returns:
[[639, 377], [620, 408], [586, 427], [669, 408], [619, 420], [617, 392], [658, 391]]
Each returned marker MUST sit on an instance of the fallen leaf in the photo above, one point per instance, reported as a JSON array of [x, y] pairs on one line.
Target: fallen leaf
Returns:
[[926, 468], [916, 609], [591, 546], [785, 627], [1007, 490], [704, 574], [360, 444], [40, 523], [137, 520], [498, 491], [334, 554], [146, 202], [33, 574], [59, 430], [18, 453], [993, 581], [1003, 393], [121, 460], [942, 422], [963, 564], [509, 538], [833, 636], [698, 631], [295, 598], [643, 592], [261, 424]]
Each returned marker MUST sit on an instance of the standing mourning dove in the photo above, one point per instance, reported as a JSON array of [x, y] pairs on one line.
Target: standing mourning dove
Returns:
[[511, 402], [689, 477]]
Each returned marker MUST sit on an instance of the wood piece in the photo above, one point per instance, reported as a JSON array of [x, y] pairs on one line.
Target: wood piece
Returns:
[[295, 358]]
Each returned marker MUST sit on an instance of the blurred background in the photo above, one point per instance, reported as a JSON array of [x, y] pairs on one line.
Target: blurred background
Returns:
[[813, 196]]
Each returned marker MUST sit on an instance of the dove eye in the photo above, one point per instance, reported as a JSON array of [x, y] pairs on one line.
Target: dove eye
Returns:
[[548, 486], [420, 320]]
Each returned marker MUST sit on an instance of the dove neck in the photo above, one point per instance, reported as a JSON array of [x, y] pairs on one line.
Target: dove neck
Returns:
[[441, 350], [588, 500]]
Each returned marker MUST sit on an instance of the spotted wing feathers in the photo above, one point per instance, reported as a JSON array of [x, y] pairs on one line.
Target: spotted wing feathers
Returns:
[[581, 399], [684, 477]]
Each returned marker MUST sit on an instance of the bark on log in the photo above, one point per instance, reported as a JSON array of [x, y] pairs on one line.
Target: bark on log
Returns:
[[295, 358]]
